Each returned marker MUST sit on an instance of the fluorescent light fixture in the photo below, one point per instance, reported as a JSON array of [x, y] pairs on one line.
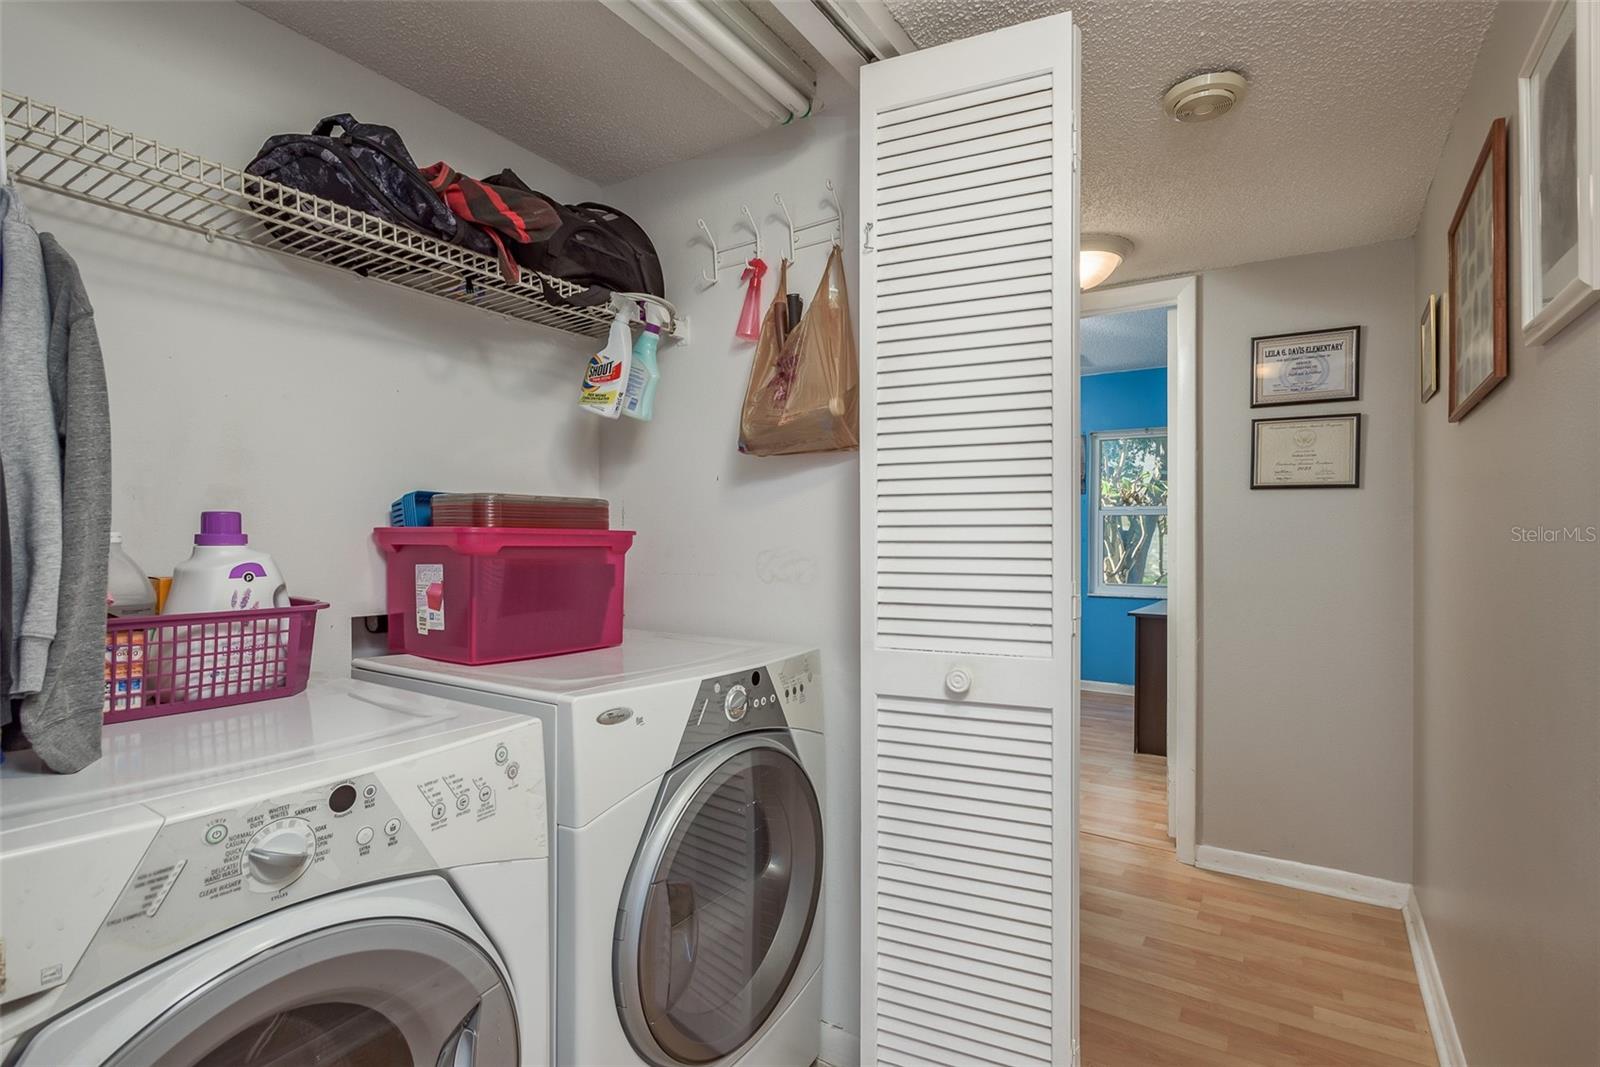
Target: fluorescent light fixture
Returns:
[[867, 26], [1099, 254], [730, 50]]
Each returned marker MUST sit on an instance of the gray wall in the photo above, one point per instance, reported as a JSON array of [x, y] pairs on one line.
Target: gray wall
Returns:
[[1508, 638], [1305, 658]]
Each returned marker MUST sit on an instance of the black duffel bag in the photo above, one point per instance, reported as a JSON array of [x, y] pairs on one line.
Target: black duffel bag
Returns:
[[595, 246], [367, 168]]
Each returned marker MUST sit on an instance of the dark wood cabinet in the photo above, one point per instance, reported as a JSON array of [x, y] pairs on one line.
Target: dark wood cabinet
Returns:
[[1150, 679]]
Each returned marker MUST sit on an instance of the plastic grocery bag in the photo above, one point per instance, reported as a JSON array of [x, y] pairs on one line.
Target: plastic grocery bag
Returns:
[[803, 390]]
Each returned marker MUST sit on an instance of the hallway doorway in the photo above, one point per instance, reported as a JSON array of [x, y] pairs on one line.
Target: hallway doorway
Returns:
[[1140, 515]]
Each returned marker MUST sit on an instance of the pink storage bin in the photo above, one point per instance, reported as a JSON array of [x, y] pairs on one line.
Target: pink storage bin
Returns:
[[481, 594], [167, 664]]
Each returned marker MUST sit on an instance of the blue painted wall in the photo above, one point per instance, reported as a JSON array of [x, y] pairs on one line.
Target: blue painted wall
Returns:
[[1128, 400]]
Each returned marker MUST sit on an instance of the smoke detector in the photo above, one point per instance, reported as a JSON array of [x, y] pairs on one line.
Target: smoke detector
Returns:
[[1205, 96]]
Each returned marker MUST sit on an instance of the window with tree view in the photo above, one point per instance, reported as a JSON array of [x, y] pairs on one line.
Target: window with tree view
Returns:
[[1128, 513]]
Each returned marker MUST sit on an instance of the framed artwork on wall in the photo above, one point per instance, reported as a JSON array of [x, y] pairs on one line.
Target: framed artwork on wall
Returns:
[[1558, 142], [1479, 267], [1311, 452], [1305, 368], [1428, 348]]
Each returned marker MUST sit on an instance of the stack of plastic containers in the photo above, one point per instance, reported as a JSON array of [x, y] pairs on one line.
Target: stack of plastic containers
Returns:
[[504, 509], [499, 577]]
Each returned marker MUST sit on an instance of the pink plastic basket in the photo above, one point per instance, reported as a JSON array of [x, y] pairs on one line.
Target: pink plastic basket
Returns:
[[167, 664], [478, 594]]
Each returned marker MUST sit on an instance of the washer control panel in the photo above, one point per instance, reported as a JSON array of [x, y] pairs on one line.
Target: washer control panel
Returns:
[[210, 868], [745, 700]]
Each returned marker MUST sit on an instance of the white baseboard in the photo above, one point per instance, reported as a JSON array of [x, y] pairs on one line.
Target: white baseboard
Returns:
[[1105, 687], [840, 1048], [1346, 885], [1446, 1041]]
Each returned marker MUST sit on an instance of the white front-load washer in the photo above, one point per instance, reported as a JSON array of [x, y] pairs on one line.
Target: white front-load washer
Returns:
[[687, 774], [352, 877]]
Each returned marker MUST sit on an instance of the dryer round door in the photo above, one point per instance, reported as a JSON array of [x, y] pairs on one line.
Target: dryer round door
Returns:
[[720, 902], [379, 992]]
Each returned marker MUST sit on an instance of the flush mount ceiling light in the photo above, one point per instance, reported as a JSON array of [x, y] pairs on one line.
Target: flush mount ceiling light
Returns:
[[731, 50], [1205, 96], [1099, 254]]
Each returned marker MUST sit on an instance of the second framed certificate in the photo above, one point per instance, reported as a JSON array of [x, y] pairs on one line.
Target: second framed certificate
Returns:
[[1305, 368], [1319, 452]]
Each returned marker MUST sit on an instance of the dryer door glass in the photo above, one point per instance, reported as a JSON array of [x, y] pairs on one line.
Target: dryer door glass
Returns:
[[720, 903], [371, 994]]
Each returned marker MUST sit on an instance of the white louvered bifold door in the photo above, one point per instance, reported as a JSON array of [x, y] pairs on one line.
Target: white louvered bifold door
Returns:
[[969, 492]]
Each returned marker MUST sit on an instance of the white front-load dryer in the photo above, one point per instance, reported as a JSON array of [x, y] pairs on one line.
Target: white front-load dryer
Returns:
[[689, 843], [351, 877]]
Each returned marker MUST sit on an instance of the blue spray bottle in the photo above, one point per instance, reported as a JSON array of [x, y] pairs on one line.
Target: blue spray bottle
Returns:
[[643, 375]]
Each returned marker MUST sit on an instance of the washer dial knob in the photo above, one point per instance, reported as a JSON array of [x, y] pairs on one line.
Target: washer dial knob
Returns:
[[736, 703], [280, 852]]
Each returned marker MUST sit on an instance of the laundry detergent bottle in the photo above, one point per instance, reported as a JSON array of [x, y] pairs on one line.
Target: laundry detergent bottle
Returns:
[[128, 591], [644, 376], [224, 573]]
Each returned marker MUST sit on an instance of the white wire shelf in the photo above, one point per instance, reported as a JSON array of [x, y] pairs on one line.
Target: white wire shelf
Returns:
[[99, 164]]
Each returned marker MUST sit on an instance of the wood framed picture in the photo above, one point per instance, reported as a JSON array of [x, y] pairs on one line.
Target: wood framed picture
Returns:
[[1428, 348], [1479, 356], [1311, 452], [1311, 367], [1558, 141]]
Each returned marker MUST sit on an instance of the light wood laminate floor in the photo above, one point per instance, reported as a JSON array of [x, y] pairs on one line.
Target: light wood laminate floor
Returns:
[[1180, 966]]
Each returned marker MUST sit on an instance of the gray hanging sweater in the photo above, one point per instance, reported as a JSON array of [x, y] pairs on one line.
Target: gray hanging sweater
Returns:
[[28, 448], [62, 721]]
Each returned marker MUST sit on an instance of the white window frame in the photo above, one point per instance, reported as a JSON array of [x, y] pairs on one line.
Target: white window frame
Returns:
[[1098, 586]]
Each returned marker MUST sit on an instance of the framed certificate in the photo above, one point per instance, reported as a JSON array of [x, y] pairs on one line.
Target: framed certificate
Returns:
[[1322, 452], [1428, 348], [1480, 352], [1558, 136], [1305, 368]]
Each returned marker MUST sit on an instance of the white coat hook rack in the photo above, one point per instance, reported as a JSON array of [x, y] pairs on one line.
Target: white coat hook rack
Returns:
[[734, 255], [833, 228]]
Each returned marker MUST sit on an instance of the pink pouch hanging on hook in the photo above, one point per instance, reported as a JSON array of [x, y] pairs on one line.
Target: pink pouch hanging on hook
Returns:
[[749, 328]]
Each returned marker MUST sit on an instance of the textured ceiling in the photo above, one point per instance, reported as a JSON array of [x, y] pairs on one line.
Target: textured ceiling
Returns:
[[565, 79], [1122, 340], [1334, 146]]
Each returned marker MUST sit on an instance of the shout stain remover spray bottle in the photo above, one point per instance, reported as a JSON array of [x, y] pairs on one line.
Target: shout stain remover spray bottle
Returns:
[[606, 379]]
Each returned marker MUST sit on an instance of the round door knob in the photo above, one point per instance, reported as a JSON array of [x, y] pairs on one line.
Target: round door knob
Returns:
[[736, 703], [958, 681], [280, 852]]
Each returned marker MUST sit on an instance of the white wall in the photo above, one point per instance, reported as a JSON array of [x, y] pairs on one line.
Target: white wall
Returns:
[[309, 400], [1508, 651], [239, 379], [1305, 657], [733, 544]]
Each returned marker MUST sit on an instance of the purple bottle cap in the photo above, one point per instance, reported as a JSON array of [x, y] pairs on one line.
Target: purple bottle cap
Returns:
[[221, 528], [651, 327]]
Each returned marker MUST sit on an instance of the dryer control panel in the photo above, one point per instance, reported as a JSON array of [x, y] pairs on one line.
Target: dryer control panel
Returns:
[[771, 697], [212, 867]]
